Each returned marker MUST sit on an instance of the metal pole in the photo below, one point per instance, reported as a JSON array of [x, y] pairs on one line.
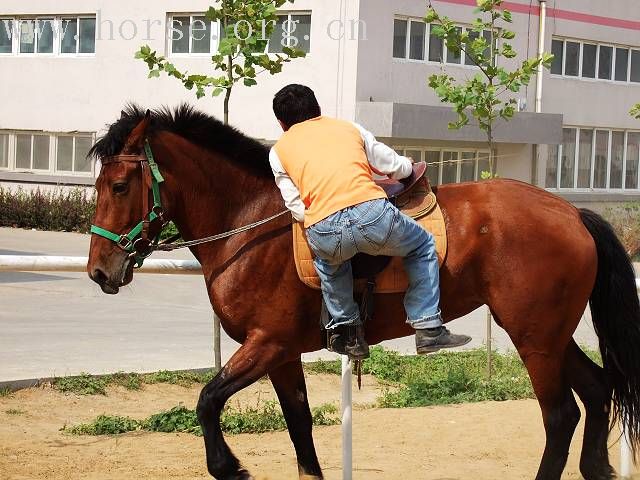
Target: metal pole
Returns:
[[489, 344], [37, 263], [217, 354], [626, 457], [541, 39], [347, 438]]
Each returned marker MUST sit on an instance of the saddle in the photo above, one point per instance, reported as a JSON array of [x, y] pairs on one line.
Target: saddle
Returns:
[[414, 197]]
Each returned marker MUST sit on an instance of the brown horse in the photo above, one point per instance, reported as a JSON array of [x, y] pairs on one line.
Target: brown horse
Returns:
[[532, 257]]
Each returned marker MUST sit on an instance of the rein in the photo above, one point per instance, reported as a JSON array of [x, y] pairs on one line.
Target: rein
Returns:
[[151, 179]]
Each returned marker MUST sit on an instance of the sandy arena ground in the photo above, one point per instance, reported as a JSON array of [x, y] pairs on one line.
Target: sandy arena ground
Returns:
[[484, 441]]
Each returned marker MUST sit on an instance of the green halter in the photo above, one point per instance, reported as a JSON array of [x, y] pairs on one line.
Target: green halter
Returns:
[[128, 241]]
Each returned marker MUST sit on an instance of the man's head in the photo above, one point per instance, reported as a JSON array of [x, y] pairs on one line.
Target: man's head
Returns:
[[295, 104]]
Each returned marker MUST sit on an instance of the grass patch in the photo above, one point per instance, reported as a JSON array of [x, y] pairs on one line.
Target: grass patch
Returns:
[[324, 367], [5, 392], [85, 384], [14, 411], [105, 425], [443, 378], [268, 418], [185, 379]]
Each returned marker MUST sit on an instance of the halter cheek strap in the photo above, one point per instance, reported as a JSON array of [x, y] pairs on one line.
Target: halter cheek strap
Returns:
[[151, 179]]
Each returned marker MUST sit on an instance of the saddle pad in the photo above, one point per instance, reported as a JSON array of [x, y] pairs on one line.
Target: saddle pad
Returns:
[[393, 279]]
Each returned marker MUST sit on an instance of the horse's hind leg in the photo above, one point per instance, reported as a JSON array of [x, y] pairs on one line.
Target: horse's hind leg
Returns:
[[560, 412], [288, 381], [251, 362], [589, 382]]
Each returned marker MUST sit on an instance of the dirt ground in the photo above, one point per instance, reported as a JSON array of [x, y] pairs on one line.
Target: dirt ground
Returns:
[[492, 440]]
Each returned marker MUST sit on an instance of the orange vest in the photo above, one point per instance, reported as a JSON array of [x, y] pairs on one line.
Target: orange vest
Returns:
[[327, 162]]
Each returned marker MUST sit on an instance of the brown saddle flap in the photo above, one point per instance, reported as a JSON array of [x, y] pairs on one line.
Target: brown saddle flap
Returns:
[[395, 188], [419, 203]]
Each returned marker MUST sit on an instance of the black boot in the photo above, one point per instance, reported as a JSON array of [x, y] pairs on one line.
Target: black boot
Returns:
[[349, 340], [433, 339]]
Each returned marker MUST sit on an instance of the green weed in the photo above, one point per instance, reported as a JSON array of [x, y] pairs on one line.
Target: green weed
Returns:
[[14, 411], [268, 418], [5, 392], [105, 425], [83, 384]]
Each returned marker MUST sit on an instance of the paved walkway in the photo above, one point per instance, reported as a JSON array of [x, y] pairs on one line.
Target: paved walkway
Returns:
[[62, 324]]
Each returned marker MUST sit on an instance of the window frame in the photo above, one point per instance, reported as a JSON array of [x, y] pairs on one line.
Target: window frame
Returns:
[[77, 18], [478, 154], [56, 25], [426, 45], [53, 152], [215, 42], [607, 188], [289, 14], [614, 53]]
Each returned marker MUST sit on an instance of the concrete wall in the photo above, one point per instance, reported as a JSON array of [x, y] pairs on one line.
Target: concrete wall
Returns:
[[386, 79], [586, 102], [66, 94]]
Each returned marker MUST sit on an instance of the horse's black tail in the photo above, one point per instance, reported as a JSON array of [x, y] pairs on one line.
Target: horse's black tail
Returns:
[[615, 310]]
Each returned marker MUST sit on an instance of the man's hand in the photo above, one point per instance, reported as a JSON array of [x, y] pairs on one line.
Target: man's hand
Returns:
[[419, 169]]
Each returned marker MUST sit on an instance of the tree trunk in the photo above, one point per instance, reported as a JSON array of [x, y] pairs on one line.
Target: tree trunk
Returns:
[[227, 95]]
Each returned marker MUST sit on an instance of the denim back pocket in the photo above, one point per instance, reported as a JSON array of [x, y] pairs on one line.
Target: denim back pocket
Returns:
[[376, 225], [324, 242]]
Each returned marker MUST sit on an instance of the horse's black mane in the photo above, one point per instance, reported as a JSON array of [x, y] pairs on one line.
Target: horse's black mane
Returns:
[[194, 125]]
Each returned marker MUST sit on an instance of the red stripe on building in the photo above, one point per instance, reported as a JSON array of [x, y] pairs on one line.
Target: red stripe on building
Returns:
[[561, 14]]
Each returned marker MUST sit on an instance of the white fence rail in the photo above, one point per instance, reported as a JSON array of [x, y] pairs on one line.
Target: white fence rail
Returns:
[[25, 263]]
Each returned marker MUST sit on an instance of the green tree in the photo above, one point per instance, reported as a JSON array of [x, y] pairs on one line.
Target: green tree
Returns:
[[487, 95], [245, 27], [635, 111]]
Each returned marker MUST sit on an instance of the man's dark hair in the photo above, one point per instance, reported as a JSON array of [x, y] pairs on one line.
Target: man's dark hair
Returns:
[[295, 104]]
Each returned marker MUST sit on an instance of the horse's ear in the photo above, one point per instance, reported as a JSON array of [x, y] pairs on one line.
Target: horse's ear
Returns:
[[123, 114], [136, 139]]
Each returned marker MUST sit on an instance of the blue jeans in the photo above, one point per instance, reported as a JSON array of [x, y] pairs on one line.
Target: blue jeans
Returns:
[[376, 227]]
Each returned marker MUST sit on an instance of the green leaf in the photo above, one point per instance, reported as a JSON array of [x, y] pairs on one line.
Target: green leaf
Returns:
[[154, 74], [249, 82], [506, 16], [635, 111]]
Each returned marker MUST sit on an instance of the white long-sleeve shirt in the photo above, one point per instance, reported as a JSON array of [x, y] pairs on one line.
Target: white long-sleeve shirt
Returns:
[[383, 160]]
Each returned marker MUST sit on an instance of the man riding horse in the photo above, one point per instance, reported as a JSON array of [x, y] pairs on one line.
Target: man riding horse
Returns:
[[324, 169]]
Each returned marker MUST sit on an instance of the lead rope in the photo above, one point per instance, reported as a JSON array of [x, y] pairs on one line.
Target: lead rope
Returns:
[[169, 247]]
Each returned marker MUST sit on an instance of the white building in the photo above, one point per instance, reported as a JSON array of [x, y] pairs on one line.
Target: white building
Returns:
[[368, 61]]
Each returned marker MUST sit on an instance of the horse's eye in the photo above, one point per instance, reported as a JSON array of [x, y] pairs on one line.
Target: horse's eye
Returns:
[[119, 188]]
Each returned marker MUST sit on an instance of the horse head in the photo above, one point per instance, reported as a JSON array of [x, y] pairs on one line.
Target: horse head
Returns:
[[124, 220]]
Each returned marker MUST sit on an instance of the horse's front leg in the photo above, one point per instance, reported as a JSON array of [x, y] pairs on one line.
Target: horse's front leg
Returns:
[[251, 362], [288, 381]]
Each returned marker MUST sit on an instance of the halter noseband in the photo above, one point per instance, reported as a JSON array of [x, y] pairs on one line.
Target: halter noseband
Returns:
[[151, 179]]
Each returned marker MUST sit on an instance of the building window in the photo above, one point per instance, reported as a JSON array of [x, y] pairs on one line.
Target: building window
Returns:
[[4, 150], [557, 49], [291, 30], [72, 153], [32, 152], [399, 38], [591, 158], [573, 58], [78, 36], [193, 35], [48, 36], [632, 160], [413, 40], [46, 152], [635, 66], [417, 40], [449, 165]]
